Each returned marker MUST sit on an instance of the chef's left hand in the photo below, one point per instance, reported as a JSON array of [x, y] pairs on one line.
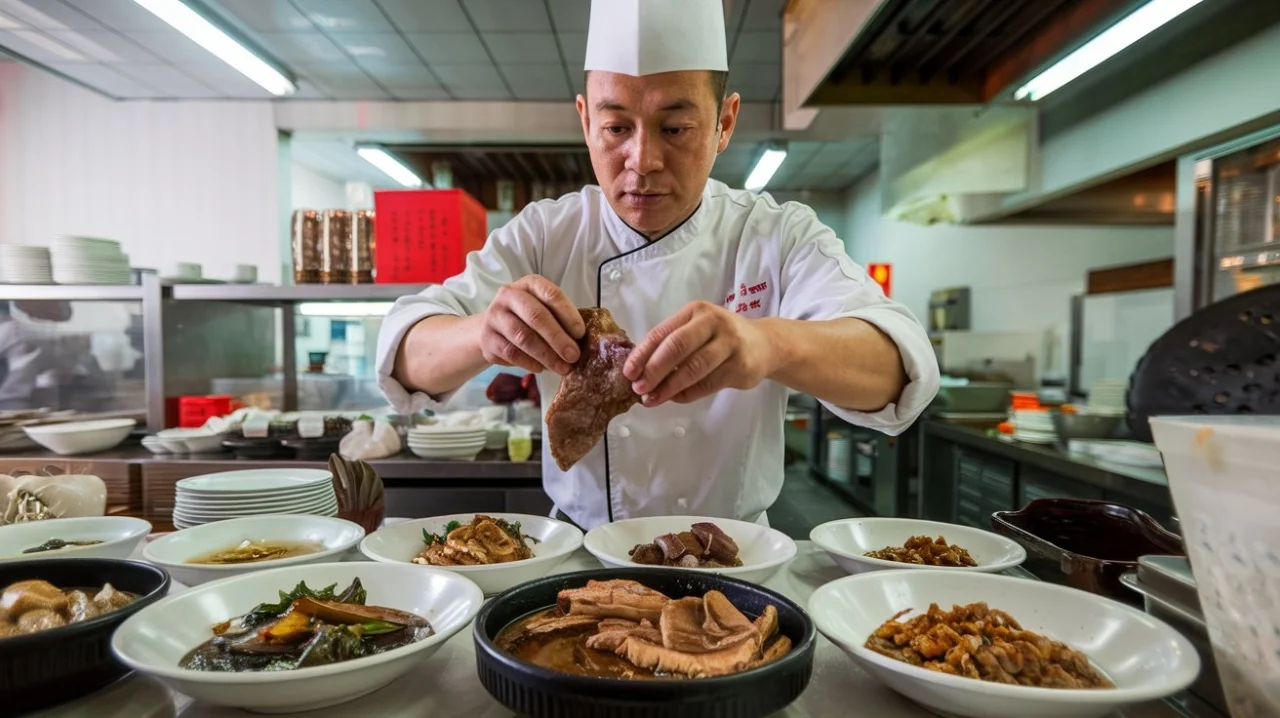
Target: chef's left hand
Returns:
[[700, 350]]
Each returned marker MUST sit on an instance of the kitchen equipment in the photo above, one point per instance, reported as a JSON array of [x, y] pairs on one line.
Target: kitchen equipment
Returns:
[[848, 541], [1222, 473], [763, 550], [307, 240], [119, 535], [81, 437], [1085, 544], [362, 246], [536, 692], [1081, 425], [1168, 591], [335, 246], [1145, 658]]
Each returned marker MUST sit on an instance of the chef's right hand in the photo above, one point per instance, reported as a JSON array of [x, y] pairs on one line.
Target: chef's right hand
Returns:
[[533, 325]]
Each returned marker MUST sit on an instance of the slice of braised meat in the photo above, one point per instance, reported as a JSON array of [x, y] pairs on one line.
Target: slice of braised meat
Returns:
[[647, 553], [617, 598], [716, 544], [593, 392]]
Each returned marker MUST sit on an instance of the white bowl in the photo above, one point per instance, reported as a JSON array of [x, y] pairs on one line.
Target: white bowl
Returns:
[[153, 640], [1144, 657], [257, 483], [763, 550], [171, 552], [557, 540], [846, 540], [119, 535], [81, 437]]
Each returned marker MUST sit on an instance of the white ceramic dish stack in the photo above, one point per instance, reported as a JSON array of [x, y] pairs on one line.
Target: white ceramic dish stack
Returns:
[[847, 540], [25, 264], [119, 535], [447, 442], [763, 550], [81, 437], [253, 492], [88, 260], [555, 542], [1033, 426]]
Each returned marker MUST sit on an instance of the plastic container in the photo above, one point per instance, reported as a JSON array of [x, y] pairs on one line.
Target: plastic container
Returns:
[[1222, 472], [424, 236]]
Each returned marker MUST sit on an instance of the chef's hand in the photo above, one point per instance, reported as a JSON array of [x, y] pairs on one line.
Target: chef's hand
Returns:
[[533, 325], [700, 350]]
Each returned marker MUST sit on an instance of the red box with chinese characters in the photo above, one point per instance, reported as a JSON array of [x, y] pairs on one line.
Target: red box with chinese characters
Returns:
[[423, 236]]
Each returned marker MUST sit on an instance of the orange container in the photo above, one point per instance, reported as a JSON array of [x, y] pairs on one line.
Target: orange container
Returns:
[[424, 236]]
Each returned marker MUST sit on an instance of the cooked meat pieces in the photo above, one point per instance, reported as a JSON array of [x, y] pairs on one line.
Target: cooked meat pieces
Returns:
[[976, 641], [613, 599], [926, 551], [593, 392]]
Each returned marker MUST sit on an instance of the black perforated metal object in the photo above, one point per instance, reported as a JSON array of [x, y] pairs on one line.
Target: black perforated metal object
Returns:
[[1221, 360]]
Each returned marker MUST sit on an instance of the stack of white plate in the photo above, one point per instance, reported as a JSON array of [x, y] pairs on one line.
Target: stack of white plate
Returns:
[[253, 492], [25, 264], [85, 260], [1033, 427], [1107, 397], [457, 443]]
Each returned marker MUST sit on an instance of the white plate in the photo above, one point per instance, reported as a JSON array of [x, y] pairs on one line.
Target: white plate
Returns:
[[254, 482], [153, 640], [81, 437], [763, 550], [846, 540], [119, 535], [1144, 657], [173, 551], [557, 540]]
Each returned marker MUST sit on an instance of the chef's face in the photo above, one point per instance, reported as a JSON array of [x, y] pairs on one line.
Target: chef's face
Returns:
[[653, 140]]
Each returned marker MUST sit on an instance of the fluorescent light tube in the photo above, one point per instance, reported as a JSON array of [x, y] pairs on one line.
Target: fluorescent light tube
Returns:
[[769, 163], [1132, 28], [210, 37], [344, 309], [390, 166]]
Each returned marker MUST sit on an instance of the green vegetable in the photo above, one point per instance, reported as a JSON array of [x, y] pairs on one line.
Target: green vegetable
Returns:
[[264, 612]]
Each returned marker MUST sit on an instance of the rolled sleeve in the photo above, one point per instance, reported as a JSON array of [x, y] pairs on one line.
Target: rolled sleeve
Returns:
[[823, 283]]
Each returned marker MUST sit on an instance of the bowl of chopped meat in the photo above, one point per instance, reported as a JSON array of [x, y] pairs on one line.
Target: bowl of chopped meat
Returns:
[[978, 645], [875, 544]]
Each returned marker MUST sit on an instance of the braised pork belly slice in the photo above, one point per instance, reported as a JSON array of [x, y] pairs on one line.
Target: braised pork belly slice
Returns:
[[613, 599]]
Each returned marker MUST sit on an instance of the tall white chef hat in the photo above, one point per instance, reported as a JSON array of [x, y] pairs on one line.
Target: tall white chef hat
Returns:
[[645, 37]]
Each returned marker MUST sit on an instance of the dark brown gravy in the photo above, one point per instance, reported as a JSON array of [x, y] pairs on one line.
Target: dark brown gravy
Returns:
[[567, 652]]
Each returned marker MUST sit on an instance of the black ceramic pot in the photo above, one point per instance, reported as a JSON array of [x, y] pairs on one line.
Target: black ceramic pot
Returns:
[[542, 693], [52, 667]]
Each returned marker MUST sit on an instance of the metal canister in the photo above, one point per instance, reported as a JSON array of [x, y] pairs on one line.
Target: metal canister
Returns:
[[362, 247], [306, 231], [335, 247]]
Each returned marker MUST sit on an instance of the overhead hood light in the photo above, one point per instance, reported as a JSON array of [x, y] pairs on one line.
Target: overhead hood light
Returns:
[[768, 163], [1132, 28], [390, 166], [210, 37]]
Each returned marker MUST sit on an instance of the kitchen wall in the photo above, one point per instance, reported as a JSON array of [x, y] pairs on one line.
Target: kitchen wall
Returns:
[[1022, 277], [189, 181]]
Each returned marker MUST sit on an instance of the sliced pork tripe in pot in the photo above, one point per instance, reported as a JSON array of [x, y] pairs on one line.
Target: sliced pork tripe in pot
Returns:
[[613, 599], [593, 392]]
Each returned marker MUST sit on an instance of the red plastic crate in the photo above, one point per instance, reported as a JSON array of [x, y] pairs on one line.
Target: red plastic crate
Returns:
[[424, 236]]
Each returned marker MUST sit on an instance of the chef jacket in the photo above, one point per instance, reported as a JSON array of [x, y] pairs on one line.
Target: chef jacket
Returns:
[[721, 456]]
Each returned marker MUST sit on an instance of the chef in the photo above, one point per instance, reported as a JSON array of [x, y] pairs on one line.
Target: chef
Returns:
[[732, 298]]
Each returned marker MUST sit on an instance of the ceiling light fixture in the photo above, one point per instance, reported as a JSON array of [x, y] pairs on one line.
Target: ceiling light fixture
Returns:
[[1134, 27], [768, 163], [390, 166], [226, 48]]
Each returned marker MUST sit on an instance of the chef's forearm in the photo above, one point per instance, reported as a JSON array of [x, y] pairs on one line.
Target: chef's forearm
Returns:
[[847, 362], [439, 354]]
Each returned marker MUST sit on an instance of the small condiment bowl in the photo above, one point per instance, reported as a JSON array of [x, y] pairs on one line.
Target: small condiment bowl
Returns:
[[848, 540], [175, 551], [120, 536]]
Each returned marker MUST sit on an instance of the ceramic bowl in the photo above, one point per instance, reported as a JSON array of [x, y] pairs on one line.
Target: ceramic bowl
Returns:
[[173, 551], [155, 639], [847, 540], [81, 437], [763, 550], [557, 540], [1145, 658], [119, 535]]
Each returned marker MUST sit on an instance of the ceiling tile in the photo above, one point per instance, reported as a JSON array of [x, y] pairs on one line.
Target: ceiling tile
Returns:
[[345, 16], [457, 77], [537, 82], [530, 47], [764, 15], [385, 48], [427, 16], [174, 47], [103, 46], [508, 15], [104, 79], [304, 48], [571, 15], [573, 46], [419, 93], [47, 15], [415, 76], [759, 46], [168, 79], [268, 15], [449, 48], [39, 47], [122, 15]]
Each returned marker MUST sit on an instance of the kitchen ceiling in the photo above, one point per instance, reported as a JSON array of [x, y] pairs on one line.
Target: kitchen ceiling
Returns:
[[382, 50]]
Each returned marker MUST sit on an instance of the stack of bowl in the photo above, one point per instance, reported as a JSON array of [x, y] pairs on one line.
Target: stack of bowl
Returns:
[[456, 443], [253, 492]]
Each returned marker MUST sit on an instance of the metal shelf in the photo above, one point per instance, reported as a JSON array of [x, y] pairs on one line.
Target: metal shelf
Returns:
[[70, 293], [292, 293]]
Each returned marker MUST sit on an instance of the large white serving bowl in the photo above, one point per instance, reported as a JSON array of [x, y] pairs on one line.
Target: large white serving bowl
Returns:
[[846, 540], [763, 550], [155, 639], [173, 551], [119, 535], [81, 437], [1144, 657], [556, 541]]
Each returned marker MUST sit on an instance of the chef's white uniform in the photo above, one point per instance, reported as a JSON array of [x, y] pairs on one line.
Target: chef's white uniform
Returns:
[[721, 456]]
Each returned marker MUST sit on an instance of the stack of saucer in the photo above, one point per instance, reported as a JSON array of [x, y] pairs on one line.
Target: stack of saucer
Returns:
[[25, 264], [253, 492], [1107, 397], [85, 260], [1033, 426], [457, 443]]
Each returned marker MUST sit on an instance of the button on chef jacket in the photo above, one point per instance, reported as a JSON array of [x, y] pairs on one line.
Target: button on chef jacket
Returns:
[[721, 456]]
